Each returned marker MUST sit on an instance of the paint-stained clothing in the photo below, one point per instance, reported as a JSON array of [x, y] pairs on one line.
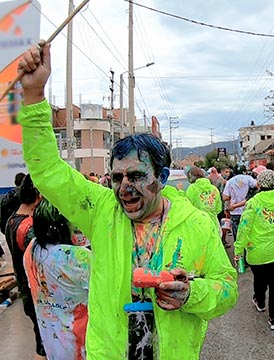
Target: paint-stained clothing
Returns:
[[256, 229], [58, 277], [237, 189], [19, 233], [205, 196], [188, 239]]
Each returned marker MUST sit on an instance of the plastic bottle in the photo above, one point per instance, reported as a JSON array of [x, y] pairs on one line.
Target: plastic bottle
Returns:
[[241, 265]]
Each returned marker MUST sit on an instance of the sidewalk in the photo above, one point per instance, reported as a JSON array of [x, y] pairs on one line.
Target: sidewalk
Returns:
[[240, 334], [7, 278], [16, 334]]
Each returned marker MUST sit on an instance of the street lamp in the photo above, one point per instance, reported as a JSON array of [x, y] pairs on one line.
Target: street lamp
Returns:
[[122, 99]]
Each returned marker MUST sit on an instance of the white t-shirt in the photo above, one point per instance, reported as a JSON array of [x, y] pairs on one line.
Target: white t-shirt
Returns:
[[237, 188]]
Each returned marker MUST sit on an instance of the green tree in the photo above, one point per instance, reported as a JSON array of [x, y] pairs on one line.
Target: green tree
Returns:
[[211, 159]]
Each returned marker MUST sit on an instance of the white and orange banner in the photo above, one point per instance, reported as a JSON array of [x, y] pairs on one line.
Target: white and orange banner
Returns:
[[19, 29]]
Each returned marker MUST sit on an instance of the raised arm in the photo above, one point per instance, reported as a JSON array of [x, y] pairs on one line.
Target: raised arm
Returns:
[[37, 68], [62, 185]]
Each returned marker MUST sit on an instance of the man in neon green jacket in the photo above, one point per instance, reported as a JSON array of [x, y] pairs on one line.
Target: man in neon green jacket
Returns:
[[203, 195], [138, 223], [256, 235]]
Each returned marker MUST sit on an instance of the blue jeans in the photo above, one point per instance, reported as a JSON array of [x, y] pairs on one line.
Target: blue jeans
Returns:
[[235, 220]]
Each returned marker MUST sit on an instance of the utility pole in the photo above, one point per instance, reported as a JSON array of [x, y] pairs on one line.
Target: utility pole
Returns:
[[145, 120], [130, 70], [178, 143], [121, 106], [111, 88], [122, 99], [234, 148], [69, 111], [211, 138], [172, 125]]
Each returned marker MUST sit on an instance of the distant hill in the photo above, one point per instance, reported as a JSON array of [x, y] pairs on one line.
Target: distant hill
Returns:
[[182, 152]]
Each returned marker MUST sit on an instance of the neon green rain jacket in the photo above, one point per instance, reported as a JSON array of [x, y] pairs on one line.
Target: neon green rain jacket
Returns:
[[205, 196], [189, 240], [256, 229]]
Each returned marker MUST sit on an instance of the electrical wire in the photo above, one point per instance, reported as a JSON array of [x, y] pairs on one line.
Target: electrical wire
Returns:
[[77, 47], [200, 22], [145, 45]]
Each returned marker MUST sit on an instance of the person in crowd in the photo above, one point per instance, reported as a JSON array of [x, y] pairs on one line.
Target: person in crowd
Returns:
[[93, 177], [105, 180], [225, 175], [19, 233], [58, 275], [224, 214], [213, 175], [10, 203], [269, 165], [235, 191], [254, 173], [256, 236], [139, 223], [257, 170], [203, 195]]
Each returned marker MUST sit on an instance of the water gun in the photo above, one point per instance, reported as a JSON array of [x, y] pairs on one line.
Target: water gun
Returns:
[[147, 278]]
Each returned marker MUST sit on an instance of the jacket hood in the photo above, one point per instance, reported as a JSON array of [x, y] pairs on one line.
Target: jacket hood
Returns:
[[178, 201], [203, 184], [266, 198]]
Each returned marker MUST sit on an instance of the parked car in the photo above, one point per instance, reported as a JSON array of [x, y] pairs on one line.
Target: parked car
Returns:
[[178, 179]]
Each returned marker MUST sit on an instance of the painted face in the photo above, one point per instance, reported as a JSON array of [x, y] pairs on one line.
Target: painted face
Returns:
[[135, 186]]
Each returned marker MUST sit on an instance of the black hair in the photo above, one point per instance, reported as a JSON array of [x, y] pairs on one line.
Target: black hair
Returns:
[[158, 152], [50, 226], [19, 178], [269, 166], [28, 193], [239, 169]]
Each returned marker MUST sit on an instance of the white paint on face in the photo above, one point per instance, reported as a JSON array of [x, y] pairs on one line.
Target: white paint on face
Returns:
[[135, 186]]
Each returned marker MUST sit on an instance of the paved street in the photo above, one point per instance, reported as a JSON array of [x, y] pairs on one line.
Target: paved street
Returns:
[[242, 334]]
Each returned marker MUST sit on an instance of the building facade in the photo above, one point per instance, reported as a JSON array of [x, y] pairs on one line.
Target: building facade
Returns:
[[95, 130], [92, 135], [252, 135]]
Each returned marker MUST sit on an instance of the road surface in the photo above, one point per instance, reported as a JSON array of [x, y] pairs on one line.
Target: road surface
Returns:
[[241, 334]]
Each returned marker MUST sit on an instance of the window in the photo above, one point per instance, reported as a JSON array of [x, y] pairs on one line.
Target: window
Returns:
[[77, 135], [268, 136], [106, 140], [63, 139]]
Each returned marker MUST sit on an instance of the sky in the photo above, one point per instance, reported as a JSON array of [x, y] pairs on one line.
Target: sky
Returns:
[[211, 82]]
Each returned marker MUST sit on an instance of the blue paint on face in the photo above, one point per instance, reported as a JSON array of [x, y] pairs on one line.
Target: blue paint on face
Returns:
[[135, 186]]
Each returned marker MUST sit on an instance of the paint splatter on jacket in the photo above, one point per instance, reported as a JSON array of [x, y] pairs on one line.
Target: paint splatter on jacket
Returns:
[[256, 229], [205, 196], [58, 277], [94, 209]]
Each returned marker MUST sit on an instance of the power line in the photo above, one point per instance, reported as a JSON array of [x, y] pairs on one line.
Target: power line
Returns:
[[200, 22], [77, 47], [156, 75]]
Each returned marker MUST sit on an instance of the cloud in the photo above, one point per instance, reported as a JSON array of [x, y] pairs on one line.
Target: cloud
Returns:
[[208, 78]]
